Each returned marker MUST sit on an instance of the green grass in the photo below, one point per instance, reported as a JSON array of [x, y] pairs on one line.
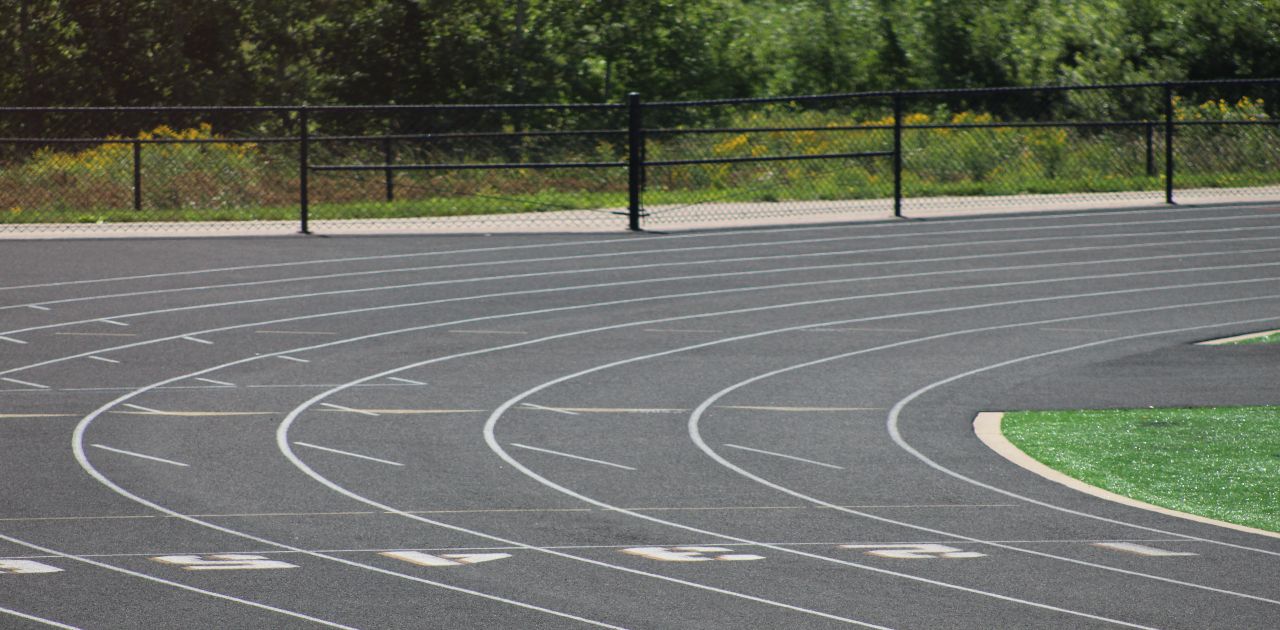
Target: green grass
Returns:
[[1219, 462]]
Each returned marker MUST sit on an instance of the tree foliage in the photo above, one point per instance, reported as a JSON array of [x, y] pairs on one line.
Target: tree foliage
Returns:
[[149, 52]]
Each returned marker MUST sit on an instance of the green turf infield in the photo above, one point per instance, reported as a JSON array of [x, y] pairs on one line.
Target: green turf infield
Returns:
[[1218, 462]]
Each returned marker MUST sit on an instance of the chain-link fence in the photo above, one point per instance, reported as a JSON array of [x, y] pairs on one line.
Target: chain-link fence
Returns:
[[636, 164]]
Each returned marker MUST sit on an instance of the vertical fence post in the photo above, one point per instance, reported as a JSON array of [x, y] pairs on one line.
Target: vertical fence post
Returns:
[[388, 158], [1151, 149], [635, 160], [1168, 143], [304, 167], [137, 175], [897, 154]]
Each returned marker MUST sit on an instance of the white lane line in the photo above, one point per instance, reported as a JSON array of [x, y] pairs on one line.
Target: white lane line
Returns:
[[901, 330], [680, 295], [1079, 330], [491, 440], [555, 409], [754, 272], [16, 416], [102, 359], [293, 332], [797, 409], [578, 457], [140, 455], [213, 382], [349, 454], [134, 497], [91, 334], [555, 510], [27, 383], [12, 340], [39, 307], [407, 381], [349, 409], [894, 419], [678, 330], [684, 543], [145, 409], [294, 359], [488, 332], [799, 459], [47, 622], [695, 435], [1142, 550], [197, 340], [416, 412], [113, 322], [877, 229]]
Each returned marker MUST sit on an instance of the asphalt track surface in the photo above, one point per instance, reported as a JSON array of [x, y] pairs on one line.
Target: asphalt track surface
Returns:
[[729, 429]]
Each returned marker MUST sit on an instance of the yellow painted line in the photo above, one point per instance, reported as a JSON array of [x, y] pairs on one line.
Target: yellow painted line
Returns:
[[1238, 338], [987, 427], [799, 409]]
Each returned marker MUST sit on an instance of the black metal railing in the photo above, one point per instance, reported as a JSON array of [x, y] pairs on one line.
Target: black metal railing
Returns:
[[652, 162]]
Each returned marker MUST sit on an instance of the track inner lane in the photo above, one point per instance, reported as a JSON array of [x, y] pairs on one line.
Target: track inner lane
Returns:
[[363, 338]]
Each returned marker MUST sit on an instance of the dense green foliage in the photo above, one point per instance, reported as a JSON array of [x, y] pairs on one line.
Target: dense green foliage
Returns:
[[1218, 462], [150, 52]]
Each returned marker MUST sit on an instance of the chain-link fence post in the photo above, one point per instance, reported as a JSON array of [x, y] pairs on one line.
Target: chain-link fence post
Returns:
[[635, 160], [897, 154], [1168, 143], [137, 175], [389, 158], [304, 166]]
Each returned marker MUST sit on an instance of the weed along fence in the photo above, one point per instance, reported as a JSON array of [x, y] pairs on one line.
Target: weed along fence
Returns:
[[639, 164]]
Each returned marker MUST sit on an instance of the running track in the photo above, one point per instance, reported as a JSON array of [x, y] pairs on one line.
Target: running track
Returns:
[[730, 429]]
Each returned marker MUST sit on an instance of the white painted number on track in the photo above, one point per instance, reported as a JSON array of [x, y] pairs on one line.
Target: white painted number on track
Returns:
[[689, 554], [224, 562], [925, 551], [444, 560], [10, 567]]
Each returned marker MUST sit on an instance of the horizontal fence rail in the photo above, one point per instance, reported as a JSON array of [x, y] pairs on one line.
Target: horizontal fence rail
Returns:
[[654, 162]]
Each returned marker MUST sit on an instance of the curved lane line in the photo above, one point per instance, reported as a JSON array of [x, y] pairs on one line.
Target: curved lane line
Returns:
[[282, 441], [457, 281], [378, 272], [986, 426], [632, 240], [78, 437], [676, 295], [895, 414]]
